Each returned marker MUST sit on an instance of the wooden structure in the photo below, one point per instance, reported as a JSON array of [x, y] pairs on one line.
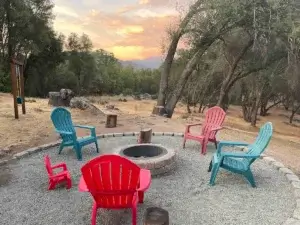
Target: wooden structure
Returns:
[[17, 83], [156, 216], [145, 136], [111, 121]]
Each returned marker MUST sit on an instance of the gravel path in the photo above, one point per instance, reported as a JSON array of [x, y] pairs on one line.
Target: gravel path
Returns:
[[185, 192]]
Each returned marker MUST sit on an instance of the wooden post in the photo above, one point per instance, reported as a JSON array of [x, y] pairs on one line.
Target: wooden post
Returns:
[[22, 89], [145, 136], [111, 120], [14, 88], [156, 216]]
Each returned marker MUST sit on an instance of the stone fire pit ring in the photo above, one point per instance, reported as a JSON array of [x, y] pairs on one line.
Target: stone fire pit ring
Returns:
[[154, 157]]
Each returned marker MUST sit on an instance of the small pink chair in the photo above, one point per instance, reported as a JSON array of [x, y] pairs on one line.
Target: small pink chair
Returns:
[[59, 177], [214, 118]]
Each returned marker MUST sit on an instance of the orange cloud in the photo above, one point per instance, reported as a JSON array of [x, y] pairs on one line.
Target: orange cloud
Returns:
[[135, 36]]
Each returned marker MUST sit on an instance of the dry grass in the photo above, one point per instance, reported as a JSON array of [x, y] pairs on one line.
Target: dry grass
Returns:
[[35, 128]]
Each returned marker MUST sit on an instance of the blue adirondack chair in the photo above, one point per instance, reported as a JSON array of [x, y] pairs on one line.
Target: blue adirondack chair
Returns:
[[63, 124], [237, 162]]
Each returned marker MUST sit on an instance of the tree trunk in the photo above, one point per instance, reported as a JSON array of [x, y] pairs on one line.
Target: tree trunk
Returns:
[[188, 70], [188, 107], [229, 80], [292, 116], [161, 99], [294, 111], [254, 111]]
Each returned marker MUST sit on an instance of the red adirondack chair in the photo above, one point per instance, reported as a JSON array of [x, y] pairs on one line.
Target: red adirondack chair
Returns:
[[214, 118], [55, 178], [115, 183]]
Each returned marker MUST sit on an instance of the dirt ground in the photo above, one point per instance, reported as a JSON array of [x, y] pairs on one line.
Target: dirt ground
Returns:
[[35, 128]]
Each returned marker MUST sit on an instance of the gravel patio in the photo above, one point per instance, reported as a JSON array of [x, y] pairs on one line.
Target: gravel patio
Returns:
[[184, 192]]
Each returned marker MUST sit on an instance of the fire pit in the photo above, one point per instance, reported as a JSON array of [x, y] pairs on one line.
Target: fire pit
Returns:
[[156, 158]]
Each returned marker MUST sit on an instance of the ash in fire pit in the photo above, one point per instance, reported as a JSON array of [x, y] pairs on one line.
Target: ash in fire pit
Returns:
[[156, 158], [144, 151]]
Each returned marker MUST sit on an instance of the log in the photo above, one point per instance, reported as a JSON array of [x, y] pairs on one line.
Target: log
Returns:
[[156, 216], [111, 120], [145, 136]]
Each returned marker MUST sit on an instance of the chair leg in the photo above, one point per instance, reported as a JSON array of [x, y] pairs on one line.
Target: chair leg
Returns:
[[51, 185], [97, 147], [210, 166], [134, 215], [60, 148], [69, 182], [141, 196], [216, 143], [184, 141], [204, 147], [78, 152], [94, 214], [214, 173], [250, 178]]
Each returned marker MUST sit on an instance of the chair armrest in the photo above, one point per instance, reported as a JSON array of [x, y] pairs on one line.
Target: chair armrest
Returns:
[[193, 125], [238, 155], [229, 143], [233, 143], [145, 180], [60, 165], [64, 132], [85, 127], [82, 187], [91, 128], [216, 128]]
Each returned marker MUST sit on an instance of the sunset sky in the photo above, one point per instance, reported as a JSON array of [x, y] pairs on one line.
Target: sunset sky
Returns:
[[131, 29]]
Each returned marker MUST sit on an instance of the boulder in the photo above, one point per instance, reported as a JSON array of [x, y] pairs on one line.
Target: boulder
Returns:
[[84, 104], [61, 98]]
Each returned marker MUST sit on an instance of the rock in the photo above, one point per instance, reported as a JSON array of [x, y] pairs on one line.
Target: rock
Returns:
[[110, 107], [61, 98], [84, 104], [145, 96]]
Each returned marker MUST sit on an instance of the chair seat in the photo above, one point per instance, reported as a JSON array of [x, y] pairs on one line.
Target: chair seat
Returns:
[[235, 163], [61, 176]]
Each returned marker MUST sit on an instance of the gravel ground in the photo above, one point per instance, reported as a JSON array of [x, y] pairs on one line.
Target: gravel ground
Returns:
[[185, 192]]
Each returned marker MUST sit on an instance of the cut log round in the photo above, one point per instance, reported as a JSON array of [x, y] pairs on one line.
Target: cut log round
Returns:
[[111, 120], [159, 110], [156, 216], [145, 136]]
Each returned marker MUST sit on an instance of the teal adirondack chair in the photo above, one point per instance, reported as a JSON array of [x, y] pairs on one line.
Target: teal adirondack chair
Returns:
[[237, 162], [63, 124]]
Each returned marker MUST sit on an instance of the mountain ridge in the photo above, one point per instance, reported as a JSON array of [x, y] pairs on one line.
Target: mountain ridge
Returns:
[[148, 63]]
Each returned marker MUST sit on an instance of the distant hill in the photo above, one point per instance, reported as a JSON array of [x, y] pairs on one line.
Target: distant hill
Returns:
[[149, 63]]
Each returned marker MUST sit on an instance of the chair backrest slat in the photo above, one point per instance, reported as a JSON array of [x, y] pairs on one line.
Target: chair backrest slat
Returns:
[[214, 117], [112, 180], [47, 162], [262, 141], [62, 121]]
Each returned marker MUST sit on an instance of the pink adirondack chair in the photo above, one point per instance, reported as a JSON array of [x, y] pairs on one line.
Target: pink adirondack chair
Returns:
[[214, 118], [115, 183], [55, 178]]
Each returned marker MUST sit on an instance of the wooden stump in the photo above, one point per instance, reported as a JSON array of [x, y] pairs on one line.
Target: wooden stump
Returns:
[[111, 120], [145, 136], [156, 216], [159, 110]]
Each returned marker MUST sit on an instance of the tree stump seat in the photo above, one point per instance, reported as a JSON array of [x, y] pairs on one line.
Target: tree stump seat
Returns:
[[111, 120], [156, 216]]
